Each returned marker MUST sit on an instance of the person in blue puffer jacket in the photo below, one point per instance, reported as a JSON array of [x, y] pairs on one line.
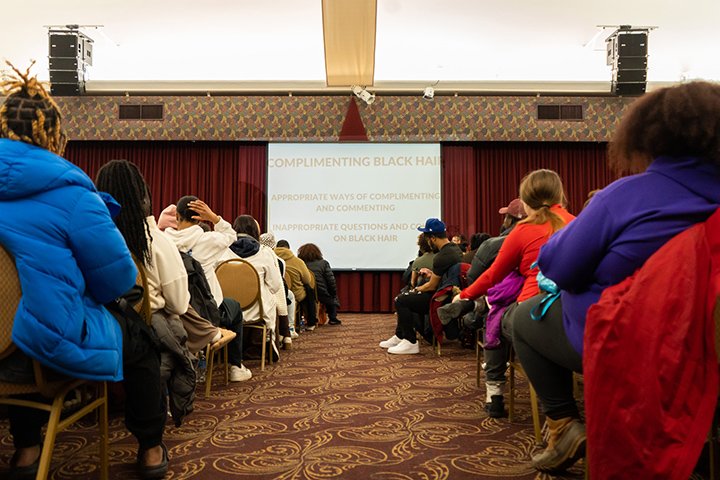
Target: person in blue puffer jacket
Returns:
[[71, 259]]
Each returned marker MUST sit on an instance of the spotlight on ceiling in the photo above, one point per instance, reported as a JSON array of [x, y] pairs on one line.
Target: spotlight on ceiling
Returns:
[[363, 94], [429, 93]]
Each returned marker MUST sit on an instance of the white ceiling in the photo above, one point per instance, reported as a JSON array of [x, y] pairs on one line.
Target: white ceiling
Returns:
[[270, 44]]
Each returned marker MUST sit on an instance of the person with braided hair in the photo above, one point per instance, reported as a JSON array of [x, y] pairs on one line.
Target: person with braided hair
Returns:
[[70, 257]]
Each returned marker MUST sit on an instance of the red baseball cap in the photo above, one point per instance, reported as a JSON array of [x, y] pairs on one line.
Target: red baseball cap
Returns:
[[514, 209]]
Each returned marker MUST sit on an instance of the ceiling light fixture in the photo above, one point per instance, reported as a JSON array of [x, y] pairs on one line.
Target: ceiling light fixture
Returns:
[[363, 94]]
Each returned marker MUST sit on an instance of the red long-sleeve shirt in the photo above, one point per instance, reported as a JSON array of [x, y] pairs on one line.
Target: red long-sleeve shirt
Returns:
[[519, 250]]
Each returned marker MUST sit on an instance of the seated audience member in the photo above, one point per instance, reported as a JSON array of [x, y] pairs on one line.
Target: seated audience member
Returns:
[[422, 266], [208, 248], [461, 242], [302, 283], [417, 300], [247, 246], [488, 251], [542, 193], [71, 259], [168, 217], [670, 136], [475, 241], [481, 261], [167, 279], [324, 280], [285, 304], [590, 195]]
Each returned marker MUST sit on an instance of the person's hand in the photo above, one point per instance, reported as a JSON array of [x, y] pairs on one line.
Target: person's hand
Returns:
[[456, 298], [425, 272], [203, 212]]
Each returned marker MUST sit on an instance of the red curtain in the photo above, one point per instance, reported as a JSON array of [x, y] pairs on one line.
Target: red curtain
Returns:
[[229, 176], [477, 179], [480, 178]]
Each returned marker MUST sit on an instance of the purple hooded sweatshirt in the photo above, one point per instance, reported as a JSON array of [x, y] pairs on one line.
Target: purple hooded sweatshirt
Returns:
[[623, 225]]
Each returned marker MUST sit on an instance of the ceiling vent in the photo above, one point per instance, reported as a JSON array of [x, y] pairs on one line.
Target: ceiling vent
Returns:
[[560, 112], [140, 112]]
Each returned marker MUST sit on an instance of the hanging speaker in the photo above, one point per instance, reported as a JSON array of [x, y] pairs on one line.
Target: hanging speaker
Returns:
[[628, 53], [70, 54]]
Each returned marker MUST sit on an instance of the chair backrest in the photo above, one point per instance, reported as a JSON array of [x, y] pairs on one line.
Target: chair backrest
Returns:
[[10, 294], [240, 281]]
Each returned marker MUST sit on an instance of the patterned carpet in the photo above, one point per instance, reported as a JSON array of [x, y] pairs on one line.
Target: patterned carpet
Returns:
[[335, 407]]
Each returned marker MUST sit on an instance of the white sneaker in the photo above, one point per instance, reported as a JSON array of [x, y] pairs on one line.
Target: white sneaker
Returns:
[[239, 374], [405, 348], [390, 342], [294, 334], [310, 328]]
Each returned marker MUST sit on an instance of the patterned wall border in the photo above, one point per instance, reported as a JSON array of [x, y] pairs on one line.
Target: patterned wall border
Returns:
[[320, 118]]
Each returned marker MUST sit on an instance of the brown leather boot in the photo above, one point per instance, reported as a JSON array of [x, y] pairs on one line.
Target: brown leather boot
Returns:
[[566, 445]]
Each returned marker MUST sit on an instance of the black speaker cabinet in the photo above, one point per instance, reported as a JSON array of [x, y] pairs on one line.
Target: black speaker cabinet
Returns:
[[627, 53]]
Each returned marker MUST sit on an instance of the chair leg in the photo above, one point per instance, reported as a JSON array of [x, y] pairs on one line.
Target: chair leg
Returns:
[[511, 403], [262, 351], [104, 435], [50, 434], [535, 414], [477, 359], [227, 365], [208, 372]]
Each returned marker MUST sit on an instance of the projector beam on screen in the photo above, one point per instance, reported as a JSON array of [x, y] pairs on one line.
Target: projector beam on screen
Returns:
[[360, 203]]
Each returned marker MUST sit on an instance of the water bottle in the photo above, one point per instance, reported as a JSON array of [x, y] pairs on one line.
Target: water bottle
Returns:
[[201, 367]]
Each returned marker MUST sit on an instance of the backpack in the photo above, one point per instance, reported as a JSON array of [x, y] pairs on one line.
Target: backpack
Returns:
[[201, 297]]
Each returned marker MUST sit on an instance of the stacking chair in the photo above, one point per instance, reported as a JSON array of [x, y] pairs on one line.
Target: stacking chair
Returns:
[[50, 385], [240, 281], [478, 354], [210, 351]]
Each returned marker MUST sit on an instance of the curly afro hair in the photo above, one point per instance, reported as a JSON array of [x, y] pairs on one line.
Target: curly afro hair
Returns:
[[682, 120]]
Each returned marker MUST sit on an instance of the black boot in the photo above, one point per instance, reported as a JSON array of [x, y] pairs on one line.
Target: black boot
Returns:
[[496, 407]]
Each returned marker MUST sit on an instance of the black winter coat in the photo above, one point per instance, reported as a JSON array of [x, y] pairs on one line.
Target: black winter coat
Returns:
[[324, 281]]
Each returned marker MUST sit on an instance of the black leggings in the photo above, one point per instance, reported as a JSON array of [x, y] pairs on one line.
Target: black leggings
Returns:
[[547, 357]]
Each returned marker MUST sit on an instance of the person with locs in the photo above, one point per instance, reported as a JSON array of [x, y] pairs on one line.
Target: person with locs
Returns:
[[71, 260], [417, 300]]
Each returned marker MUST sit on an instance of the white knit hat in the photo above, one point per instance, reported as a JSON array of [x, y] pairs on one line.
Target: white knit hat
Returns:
[[268, 239]]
